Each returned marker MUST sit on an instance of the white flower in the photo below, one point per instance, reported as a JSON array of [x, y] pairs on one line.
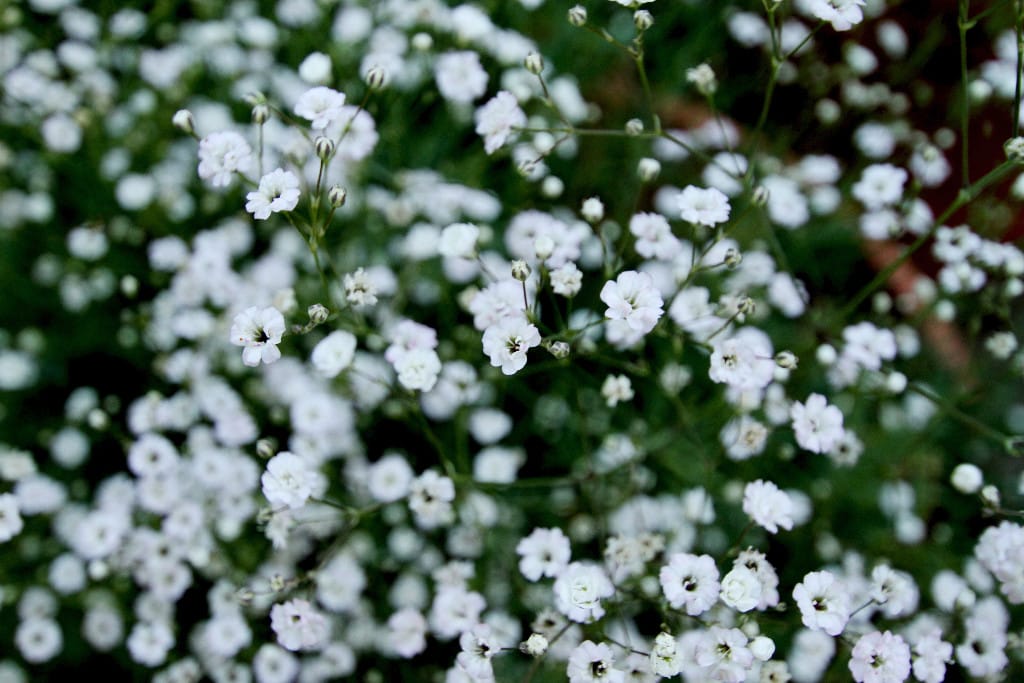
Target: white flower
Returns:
[[460, 77], [843, 14], [497, 119], [458, 240], [824, 603], [507, 341], [407, 630], [38, 639], [221, 155], [334, 353], [545, 552], [768, 506], [478, 645], [703, 206], [11, 523], [665, 658], [390, 478], [418, 369], [880, 185], [723, 654], [933, 654], [633, 298], [591, 662], [818, 426], [690, 582], [579, 590], [359, 289], [566, 280], [278, 191], [741, 589], [616, 389], [259, 331], [880, 658], [290, 480], [320, 105], [654, 238], [743, 362], [430, 499], [299, 626]]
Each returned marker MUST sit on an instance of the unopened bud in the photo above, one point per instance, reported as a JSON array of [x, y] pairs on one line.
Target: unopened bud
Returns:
[[534, 63], [1015, 150], [526, 168], [634, 127], [260, 113], [746, 305], [245, 596], [422, 42], [265, 448], [760, 196], [990, 496], [520, 270], [184, 121], [559, 349], [324, 148], [376, 77], [337, 196], [648, 169], [643, 20], [578, 15], [733, 257], [535, 646], [543, 247], [786, 360], [277, 583], [592, 210], [318, 314], [703, 78]]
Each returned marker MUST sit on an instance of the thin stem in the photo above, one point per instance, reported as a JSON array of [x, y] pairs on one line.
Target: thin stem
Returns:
[[1019, 24], [962, 24], [964, 197], [954, 412]]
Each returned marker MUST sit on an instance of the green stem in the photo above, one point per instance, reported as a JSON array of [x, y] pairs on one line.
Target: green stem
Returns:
[[959, 415], [962, 24], [1019, 25]]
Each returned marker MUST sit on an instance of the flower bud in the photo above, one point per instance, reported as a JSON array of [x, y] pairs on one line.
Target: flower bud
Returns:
[[376, 77], [760, 196], [634, 127], [1015, 150], [967, 478], [648, 169], [260, 112], [266, 449], [535, 646], [703, 78], [990, 496], [337, 196], [520, 270], [786, 360], [592, 210], [578, 15], [534, 63], [643, 20], [543, 247], [324, 148], [746, 305], [559, 349], [184, 121], [318, 314], [422, 42], [733, 257], [762, 647]]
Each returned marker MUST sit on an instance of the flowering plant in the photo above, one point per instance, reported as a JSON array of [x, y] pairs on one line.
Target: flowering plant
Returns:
[[509, 341]]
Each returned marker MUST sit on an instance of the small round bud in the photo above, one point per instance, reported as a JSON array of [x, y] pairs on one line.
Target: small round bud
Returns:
[[535, 646], [703, 78], [337, 196], [826, 354], [376, 77], [643, 20], [98, 570], [520, 270], [526, 167], [746, 305], [245, 596], [786, 360], [990, 496], [552, 187], [592, 210], [896, 382], [266, 449], [1015, 150], [129, 285], [278, 583], [762, 647], [828, 111], [578, 15], [967, 478], [965, 599], [634, 127], [260, 113], [318, 314], [543, 247], [97, 419], [733, 257], [760, 196], [422, 42], [648, 169], [184, 121], [534, 63], [559, 349], [324, 148]]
